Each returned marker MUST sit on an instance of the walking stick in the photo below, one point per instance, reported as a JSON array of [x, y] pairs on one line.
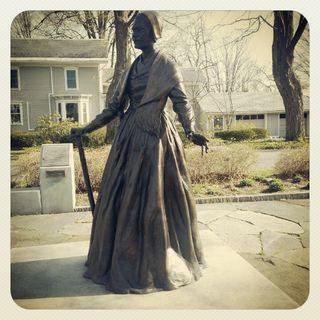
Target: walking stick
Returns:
[[85, 172]]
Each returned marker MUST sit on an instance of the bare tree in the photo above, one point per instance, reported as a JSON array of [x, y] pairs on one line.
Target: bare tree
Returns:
[[233, 72], [301, 63], [123, 21], [284, 43], [22, 25]]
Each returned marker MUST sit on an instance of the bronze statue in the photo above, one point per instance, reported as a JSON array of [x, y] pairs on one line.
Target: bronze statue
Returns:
[[144, 234]]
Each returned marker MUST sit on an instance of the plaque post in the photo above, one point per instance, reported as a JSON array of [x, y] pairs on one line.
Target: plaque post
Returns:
[[57, 181]]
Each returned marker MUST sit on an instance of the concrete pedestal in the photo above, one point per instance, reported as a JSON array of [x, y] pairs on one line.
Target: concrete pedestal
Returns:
[[57, 183]]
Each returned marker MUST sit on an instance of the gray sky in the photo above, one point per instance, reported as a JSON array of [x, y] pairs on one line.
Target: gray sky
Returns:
[[258, 44]]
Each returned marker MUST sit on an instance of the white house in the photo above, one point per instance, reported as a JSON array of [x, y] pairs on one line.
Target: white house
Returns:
[[69, 77], [49, 76], [262, 109]]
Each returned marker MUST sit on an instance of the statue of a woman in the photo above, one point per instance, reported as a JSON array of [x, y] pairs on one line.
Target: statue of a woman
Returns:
[[144, 234]]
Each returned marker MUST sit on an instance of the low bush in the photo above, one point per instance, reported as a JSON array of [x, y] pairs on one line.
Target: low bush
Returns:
[[96, 161], [246, 183], [52, 130], [26, 170], [20, 140], [221, 163], [293, 162], [275, 185], [95, 139], [297, 178], [260, 133], [258, 178], [242, 134]]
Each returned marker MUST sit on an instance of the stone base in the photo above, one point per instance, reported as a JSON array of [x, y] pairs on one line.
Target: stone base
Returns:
[[25, 201]]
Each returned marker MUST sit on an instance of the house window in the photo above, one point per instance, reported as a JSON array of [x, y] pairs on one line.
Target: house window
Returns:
[[15, 81], [218, 123], [71, 79], [282, 115], [250, 117], [16, 113], [305, 115], [72, 111]]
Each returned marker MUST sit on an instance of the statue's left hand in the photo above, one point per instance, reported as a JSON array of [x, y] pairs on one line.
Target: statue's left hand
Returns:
[[199, 140]]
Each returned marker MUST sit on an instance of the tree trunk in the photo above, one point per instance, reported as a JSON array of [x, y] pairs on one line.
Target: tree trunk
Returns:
[[122, 62], [287, 82]]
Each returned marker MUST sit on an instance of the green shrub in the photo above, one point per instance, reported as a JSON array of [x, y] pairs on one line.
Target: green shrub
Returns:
[[258, 178], [50, 129], [276, 185], [246, 183], [297, 178], [20, 140], [260, 133], [293, 162], [95, 139], [235, 135], [242, 134]]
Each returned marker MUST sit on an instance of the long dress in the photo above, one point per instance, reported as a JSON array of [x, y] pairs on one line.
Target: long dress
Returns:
[[144, 234]]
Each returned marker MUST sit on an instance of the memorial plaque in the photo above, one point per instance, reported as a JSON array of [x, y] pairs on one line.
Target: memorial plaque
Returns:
[[53, 155], [55, 173]]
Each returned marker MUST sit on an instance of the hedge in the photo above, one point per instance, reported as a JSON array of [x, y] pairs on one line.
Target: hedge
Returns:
[[20, 140], [50, 130], [242, 134]]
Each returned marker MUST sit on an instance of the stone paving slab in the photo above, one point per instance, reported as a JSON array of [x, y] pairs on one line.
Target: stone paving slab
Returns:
[[268, 222], [275, 243], [299, 257], [57, 283]]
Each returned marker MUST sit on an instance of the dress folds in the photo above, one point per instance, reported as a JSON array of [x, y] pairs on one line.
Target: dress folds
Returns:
[[144, 234]]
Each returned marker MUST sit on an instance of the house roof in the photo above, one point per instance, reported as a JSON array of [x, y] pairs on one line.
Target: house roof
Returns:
[[26, 49], [246, 102]]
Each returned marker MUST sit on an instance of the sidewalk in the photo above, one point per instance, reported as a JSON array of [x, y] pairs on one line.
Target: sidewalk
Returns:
[[257, 255]]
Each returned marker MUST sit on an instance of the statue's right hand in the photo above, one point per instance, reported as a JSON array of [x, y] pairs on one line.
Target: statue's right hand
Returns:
[[76, 131]]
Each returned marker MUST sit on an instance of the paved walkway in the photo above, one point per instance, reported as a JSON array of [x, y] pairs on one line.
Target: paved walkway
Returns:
[[257, 254]]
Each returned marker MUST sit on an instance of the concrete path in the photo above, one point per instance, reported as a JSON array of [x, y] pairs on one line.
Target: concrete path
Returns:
[[44, 279], [257, 254]]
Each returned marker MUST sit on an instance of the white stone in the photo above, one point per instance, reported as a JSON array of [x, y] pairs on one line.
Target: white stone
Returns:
[[54, 155], [233, 226], [275, 243], [57, 181], [25, 201], [298, 257], [243, 243], [207, 216], [267, 222], [57, 193]]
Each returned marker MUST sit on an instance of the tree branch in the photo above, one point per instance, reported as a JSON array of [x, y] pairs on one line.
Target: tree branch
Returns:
[[302, 25]]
